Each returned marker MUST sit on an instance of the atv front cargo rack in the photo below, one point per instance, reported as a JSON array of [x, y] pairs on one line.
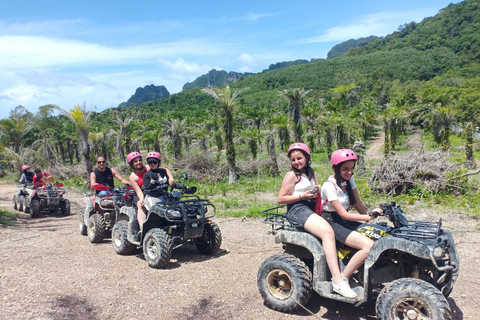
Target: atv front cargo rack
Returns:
[[419, 229]]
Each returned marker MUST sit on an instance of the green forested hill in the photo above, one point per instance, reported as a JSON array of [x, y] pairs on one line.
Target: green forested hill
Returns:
[[447, 43]]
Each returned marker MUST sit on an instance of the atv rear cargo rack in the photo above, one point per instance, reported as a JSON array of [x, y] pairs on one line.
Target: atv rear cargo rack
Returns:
[[277, 217]]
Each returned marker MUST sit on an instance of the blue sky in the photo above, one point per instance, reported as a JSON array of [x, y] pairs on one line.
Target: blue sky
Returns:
[[99, 52]]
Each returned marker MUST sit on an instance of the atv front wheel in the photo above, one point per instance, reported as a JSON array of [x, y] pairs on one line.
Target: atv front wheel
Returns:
[[26, 208], [35, 209], [411, 298], [119, 238], [157, 248], [82, 227], [285, 282], [21, 200], [96, 228], [211, 239], [65, 207], [15, 202]]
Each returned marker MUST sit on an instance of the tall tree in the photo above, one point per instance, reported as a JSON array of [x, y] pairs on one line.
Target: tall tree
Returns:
[[123, 137], [174, 129], [228, 102], [296, 98], [81, 118]]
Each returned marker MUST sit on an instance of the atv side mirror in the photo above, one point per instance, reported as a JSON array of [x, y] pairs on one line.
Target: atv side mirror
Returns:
[[185, 176]]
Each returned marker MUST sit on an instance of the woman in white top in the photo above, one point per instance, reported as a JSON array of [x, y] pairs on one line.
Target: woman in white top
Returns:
[[340, 192], [299, 191]]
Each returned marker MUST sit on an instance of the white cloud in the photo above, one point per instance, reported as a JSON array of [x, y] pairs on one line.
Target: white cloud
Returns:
[[246, 62], [31, 52], [378, 24], [180, 65]]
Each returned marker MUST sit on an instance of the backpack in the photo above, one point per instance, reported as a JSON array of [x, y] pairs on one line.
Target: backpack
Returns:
[[318, 208]]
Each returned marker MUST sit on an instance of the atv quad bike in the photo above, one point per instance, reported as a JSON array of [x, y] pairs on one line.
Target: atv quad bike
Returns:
[[44, 198], [102, 209], [410, 270], [19, 200], [182, 218]]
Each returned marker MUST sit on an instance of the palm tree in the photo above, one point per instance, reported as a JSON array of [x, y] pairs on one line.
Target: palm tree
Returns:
[[296, 97], [81, 118], [228, 102], [123, 137], [442, 120], [469, 146], [13, 131], [175, 131]]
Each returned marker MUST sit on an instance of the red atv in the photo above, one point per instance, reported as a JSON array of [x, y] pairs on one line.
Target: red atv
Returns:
[[46, 198], [102, 209]]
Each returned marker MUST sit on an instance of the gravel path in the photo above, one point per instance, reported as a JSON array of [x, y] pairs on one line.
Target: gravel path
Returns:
[[49, 271]]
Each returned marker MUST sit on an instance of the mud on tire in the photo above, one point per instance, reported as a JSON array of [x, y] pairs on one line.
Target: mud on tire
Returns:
[[211, 239], [157, 248], [15, 202], [26, 208], [119, 238], [285, 282], [411, 298], [65, 207], [21, 200], [96, 228], [82, 227], [35, 209]]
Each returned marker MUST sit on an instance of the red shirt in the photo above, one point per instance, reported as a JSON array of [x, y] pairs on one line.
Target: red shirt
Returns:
[[37, 179], [140, 177]]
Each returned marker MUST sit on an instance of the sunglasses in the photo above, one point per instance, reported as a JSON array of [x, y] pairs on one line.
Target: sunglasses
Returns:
[[152, 162], [100, 161]]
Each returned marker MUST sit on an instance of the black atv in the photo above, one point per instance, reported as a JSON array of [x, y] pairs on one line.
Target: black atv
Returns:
[[411, 269], [182, 218], [102, 209], [38, 197]]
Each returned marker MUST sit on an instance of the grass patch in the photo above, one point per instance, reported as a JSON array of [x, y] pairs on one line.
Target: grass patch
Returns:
[[7, 218]]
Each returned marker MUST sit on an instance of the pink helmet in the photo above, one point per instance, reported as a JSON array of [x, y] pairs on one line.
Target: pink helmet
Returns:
[[25, 167], [298, 146], [155, 155], [342, 155], [133, 155]]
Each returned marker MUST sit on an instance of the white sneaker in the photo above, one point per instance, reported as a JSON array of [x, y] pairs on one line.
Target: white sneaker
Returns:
[[343, 289]]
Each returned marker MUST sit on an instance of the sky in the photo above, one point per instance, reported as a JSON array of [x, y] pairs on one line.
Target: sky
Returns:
[[97, 53]]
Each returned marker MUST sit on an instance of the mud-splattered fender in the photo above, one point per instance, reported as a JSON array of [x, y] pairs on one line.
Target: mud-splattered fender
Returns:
[[296, 242]]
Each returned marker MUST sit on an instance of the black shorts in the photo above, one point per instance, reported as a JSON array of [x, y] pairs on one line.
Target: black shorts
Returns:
[[300, 211], [342, 228]]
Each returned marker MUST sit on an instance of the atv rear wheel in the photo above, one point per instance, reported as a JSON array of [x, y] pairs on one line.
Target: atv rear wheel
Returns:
[[21, 200], [285, 282], [15, 202], [119, 238], [35, 209], [82, 227], [65, 207], [96, 228], [157, 248], [411, 298], [211, 239]]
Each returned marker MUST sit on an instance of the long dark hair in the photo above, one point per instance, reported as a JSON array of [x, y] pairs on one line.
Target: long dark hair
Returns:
[[339, 179], [307, 169]]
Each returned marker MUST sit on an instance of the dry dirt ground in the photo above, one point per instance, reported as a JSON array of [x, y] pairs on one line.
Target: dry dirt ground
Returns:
[[49, 271]]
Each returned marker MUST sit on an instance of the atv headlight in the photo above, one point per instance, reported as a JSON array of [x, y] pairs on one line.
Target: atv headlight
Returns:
[[438, 253], [174, 213]]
